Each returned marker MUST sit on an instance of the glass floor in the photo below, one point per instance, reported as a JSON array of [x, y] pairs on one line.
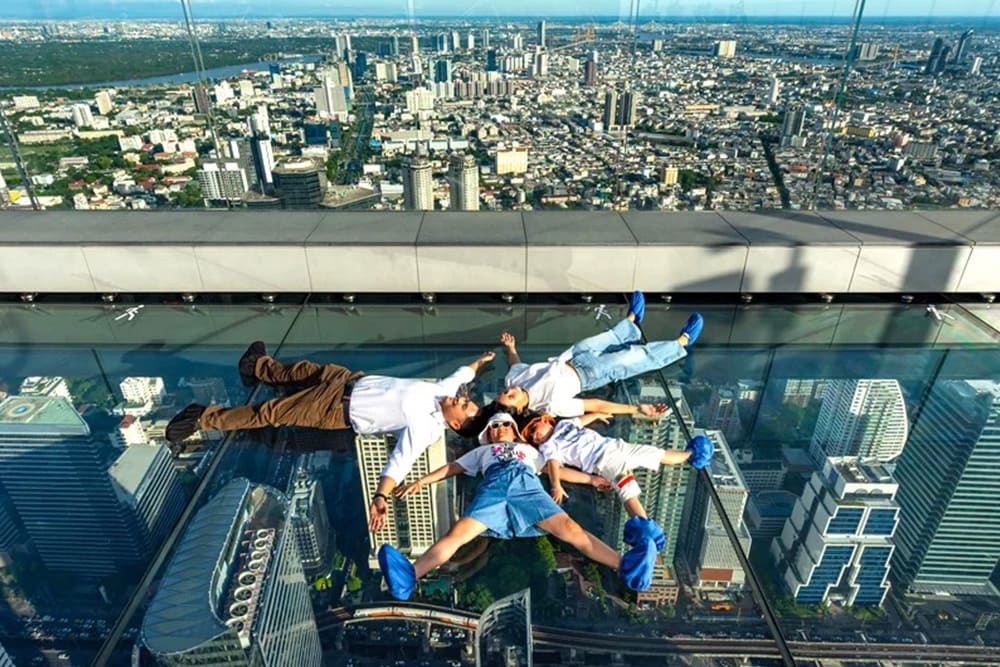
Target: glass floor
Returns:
[[856, 461]]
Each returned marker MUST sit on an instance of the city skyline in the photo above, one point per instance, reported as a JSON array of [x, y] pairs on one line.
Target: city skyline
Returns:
[[517, 9]]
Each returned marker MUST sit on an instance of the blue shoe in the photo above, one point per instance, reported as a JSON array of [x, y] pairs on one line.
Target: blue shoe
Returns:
[[637, 565], [692, 328], [702, 449], [637, 306], [638, 529], [398, 572]]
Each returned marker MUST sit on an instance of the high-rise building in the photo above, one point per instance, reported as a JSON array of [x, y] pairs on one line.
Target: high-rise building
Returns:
[[414, 45], [865, 418], [456, 41], [491, 61], [933, 58], [56, 477], [419, 99], [723, 413], [223, 92], [415, 525], [664, 491], [50, 385], [517, 42], [418, 185], [201, 100], [541, 34], [709, 556], [246, 89], [441, 43], [838, 541], [470, 41], [234, 591], [511, 161], [794, 124], [485, 38], [331, 96], [146, 482], [725, 49], [222, 181], [240, 150], [657, 45], [310, 522], [5, 660], [767, 512], [442, 71], [610, 117], [82, 115], [394, 46], [803, 392], [105, 102], [263, 163], [299, 184], [867, 51], [963, 46], [670, 175], [620, 109], [942, 60], [774, 92], [463, 178], [590, 73], [503, 634], [949, 537], [142, 390], [976, 67]]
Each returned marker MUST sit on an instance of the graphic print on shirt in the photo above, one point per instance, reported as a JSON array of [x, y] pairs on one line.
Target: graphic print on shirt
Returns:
[[505, 452]]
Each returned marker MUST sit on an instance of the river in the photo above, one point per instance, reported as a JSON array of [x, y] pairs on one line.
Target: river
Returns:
[[223, 72]]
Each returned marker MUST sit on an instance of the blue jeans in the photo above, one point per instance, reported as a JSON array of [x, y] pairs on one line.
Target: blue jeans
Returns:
[[616, 355]]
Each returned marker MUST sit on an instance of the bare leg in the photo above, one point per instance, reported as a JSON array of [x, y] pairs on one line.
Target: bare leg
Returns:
[[634, 508], [464, 531], [673, 457], [569, 531]]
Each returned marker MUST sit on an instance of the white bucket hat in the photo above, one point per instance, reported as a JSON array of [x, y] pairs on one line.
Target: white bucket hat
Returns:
[[498, 417]]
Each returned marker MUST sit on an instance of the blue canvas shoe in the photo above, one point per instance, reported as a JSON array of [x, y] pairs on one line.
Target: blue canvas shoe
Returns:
[[638, 529], [692, 328], [398, 572], [637, 306], [637, 565], [702, 449]]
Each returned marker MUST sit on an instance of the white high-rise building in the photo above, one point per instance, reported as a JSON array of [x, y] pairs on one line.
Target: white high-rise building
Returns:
[[105, 102], [331, 100], [141, 390], [775, 91], [224, 92], [511, 161], [130, 432], [415, 525], [223, 180], [234, 591], [45, 386], [310, 523], [725, 49], [419, 99], [463, 178], [839, 539], [82, 115], [865, 418], [246, 89], [710, 557], [418, 185], [146, 481]]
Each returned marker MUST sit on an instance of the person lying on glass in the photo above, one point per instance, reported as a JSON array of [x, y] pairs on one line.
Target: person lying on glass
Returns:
[[510, 502]]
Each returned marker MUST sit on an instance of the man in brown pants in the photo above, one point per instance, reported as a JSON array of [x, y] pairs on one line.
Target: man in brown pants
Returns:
[[334, 397]]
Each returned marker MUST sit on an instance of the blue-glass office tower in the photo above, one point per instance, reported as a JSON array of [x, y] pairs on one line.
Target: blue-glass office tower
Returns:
[[838, 543], [442, 71], [949, 529]]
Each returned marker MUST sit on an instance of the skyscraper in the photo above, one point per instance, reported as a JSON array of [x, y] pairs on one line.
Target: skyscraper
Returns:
[[463, 178], [5, 660], [664, 491], [491, 61], [710, 558], [55, 474], [485, 38], [442, 71], [222, 180], [610, 117], [774, 92], [309, 522], [865, 418], [456, 40], [590, 73], [263, 163], [82, 115], [104, 101], [935, 53], [394, 46], [299, 184], [415, 525], [838, 541], [725, 49], [949, 534], [541, 34], [976, 67], [234, 591], [146, 482], [963, 47], [418, 185], [503, 634], [942, 60], [331, 100], [794, 123], [517, 42], [470, 41], [414, 45], [628, 105], [441, 43]]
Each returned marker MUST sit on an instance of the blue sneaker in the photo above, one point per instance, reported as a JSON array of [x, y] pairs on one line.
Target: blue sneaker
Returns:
[[398, 572], [637, 565], [702, 449], [637, 306], [692, 328], [638, 529]]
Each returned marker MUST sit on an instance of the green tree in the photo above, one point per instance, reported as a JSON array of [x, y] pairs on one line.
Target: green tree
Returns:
[[190, 196], [545, 557], [353, 584], [478, 598]]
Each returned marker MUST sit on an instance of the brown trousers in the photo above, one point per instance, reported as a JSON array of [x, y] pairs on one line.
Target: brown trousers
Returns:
[[319, 405]]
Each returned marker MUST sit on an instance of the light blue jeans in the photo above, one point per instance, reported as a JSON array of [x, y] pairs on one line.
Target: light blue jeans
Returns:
[[617, 355]]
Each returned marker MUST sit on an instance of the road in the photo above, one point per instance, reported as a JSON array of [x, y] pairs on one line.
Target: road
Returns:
[[637, 645], [351, 166]]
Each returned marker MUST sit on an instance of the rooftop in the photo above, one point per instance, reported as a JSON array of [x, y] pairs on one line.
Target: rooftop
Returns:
[[131, 467], [40, 414]]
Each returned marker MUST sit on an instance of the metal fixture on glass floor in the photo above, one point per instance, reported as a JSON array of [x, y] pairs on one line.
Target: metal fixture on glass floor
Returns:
[[267, 298], [349, 298], [667, 298], [826, 298], [428, 297], [906, 298], [746, 298], [108, 298], [29, 297], [507, 298], [187, 297], [989, 298], [586, 298]]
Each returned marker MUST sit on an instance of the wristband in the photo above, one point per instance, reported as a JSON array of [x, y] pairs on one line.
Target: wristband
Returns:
[[380, 495]]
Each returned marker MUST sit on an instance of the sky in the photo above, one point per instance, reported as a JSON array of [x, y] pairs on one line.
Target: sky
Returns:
[[63, 9]]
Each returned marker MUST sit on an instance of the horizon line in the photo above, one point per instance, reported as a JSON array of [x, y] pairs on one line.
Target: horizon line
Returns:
[[562, 17]]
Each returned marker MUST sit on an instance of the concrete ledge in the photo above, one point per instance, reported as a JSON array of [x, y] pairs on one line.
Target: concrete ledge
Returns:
[[540, 251]]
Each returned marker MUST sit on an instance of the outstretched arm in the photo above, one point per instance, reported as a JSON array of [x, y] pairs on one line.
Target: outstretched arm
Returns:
[[591, 417], [510, 348], [574, 476], [444, 472], [554, 470], [647, 409], [482, 360]]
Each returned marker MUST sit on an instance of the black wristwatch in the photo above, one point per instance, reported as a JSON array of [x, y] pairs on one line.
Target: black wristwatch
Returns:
[[382, 496]]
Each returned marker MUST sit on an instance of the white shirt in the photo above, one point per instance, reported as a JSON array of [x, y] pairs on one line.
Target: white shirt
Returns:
[[571, 444], [476, 461], [407, 409], [552, 386]]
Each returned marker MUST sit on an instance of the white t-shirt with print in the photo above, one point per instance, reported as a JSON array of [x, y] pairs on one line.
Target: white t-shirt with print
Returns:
[[476, 461], [552, 386], [573, 445]]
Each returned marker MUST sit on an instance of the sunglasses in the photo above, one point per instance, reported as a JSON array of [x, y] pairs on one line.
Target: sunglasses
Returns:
[[499, 425]]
